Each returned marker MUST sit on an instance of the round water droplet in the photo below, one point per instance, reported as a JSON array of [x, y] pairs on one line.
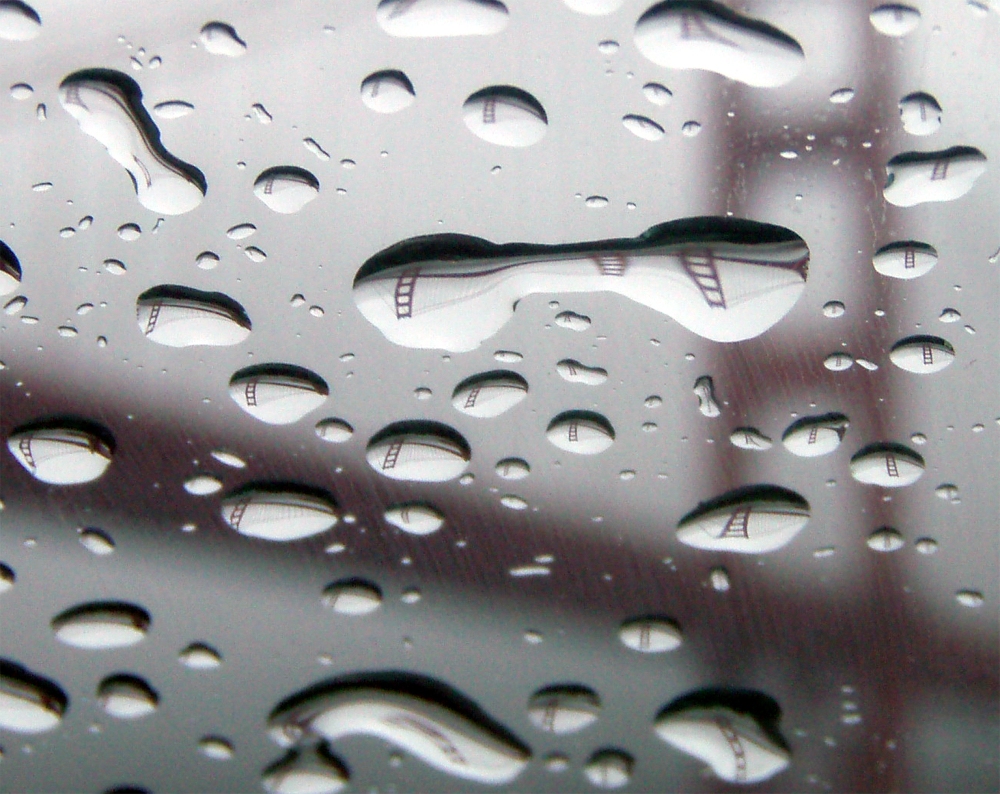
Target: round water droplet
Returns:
[[96, 541], [750, 438], [29, 704], [218, 38], [203, 485], [415, 518], [834, 309], [653, 401], [643, 127], [970, 598], [813, 436], [129, 232], [657, 94], [278, 513], [388, 91], [950, 315], [609, 769], [512, 469], [286, 189], [922, 354], [505, 116], [127, 697], [842, 96], [581, 432], [352, 597], [216, 748], [608, 47], [441, 18], [920, 114], [115, 267], [278, 394], [101, 626], [489, 394], [905, 260], [418, 451], [230, 459], [894, 19], [750, 520], [690, 128], [240, 231], [199, 656], [174, 109], [887, 465], [920, 177], [885, 539], [838, 362], [178, 316], [564, 709], [335, 431], [650, 635], [62, 453]]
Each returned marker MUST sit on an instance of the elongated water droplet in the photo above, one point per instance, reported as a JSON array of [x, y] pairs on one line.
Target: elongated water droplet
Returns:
[[441, 18], [278, 394], [594, 8], [893, 19], [906, 260], [581, 432], [335, 431], [96, 541], [29, 703], [972, 599], [286, 189], [416, 518], [750, 438], [102, 626], [389, 91], [573, 371], [203, 485], [564, 708], [724, 279], [834, 309], [756, 519], [643, 127], [427, 720], [62, 453], [14, 305], [218, 38], [507, 356], [240, 231], [18, 21], [352, 597], [127, 697], [919, 177], [885, 539], [704, 390], [512, 469], [254, 254], [278, 512], [505, 116], [650, 635], [920, 113], [572, 321], [513, 502], [812, 436], [174, 109], [108, 107], [10, 270], [227, 458], [418, 451], [948, 492], [178, 316], [922, 354], [21, 91], [706, 35], [7, 577], [217, 748], [690, 128], [306, 771], [839, 361], [199, 656], [609, 769], [842, 96], [887, 464], [489, 394], [926, 546], [262, 114], [596, 202], [657, 94]]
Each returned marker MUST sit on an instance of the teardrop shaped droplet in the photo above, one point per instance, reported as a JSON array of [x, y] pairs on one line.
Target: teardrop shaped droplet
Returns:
[[581, 432], [218, 38], [415, 518], [489, 394], [418, 451], [352, 597], [18, 21], [278, 394], [278, 512], [127, 697], [573, 371], [29, 703], [441, 18], [564, 708], [102, 626], [178, 316], [812, 436], [650, 635], [887, 464], [388, 91], [286, 189], [922, 354], [62, 452], [505, 116], [919, 177]]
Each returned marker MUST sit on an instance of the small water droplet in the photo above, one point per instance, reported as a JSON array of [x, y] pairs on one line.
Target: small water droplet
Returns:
[[657, 94], [218, 38], [563, 708], [430, 19], [254, 254], [199, 656], [278, 512], [278, 394], [489, 394], [418, 451], [96, 541], [920, 113], [581, 432], [650, 635], [127, 697], [885, 539], [838, 362], [704, 390], [894, 19], [690, 128], [512, 469], [970, 598], [173, 109], [834, 309], [203, 485], [505, 116], [609, 769], [216, 748], [512, 502], [415, 518], [333, 430], [842, 96], [750, 438], [286, 189], [352, 597], [129, 232], [922, 355], [886, 464], [388, 91], [813, 436], [101, 626]]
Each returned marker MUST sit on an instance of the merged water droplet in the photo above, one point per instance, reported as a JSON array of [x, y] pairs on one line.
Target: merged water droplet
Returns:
[[278, 512], [885, 539], [418, 451], [489, 394], [173, 109], [199, 656], [564, 708], [18, 21], [218, 38], [441, 18], [108, 107], [887, 464], [10, 270], [650, 635], [388, 91], [333, 430], [306, 771], [512, 469], [704, 390], [29, 703], [919, 177], [96, 541], [286, 189], [178, 316], [610, 769], [278, 394], [893, 19], [922, 354], [61, 452], [812, 436], [572, 321], [352, 597], [724, 279], [573, 371], [127, 697], [756, 519], [581, 432], [920, 113], [657, 94], [416, 518], [750, 438], [699, 34], [505, 116], [102, 626], [642, 127]]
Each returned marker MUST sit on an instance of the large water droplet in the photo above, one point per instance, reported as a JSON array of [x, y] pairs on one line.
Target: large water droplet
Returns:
[[108, 107], [575, 372], [922, 354], [418, 451], [724, 279], [62, 452], [594, 8], [704, 390], [18, 21], [101, 626], [218, 38], [389, 91], [334, 431], [906, 260], [610, 769], [505, 116], [416, 518], [642, 127], [919, 177], [279, 512], [10, 270], [178, 316], [199, 656], [306, 771], [698, 34], [28, 702], [512, 469], [581, 432], [750, 438], [650, 635], [885, 539], [812, 436], [423, 718], [286, 188], [564, 708], [278, 394], [352, 597], [489, 394], [893, 19], [887, 464], [127, 697], [755, 519], [96, 541], [439, 18], [920, 113], [173, 109]]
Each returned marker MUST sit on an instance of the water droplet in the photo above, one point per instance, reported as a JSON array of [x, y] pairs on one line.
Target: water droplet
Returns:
[[608, 47], [441, 18], [174, 109], [751, 520], [62, 453], [352, 597], [834, 309], [286, 189], [67, 232], [7, 577], [261, 114], [969, 598], [512, 469], [198, 656], [14, 305], [178, 316], [894, 20], [842, 96], [218, 38], [575, 372], [101, 626], [279, 513], [950, 315], [887, 464], [885, 539], [416, 518], [96, 541], [581, 432], [650, 635], [750, 438], [306, 770], [489, 394], [240, 231], [418, 451], [610, 769], [114, 267], [336, 431], [512, 502], [948, 492], [254, 254], [203, 485], [316, 149], [129, 232], [708, 36], [507, 356], [906, 260], [838, 362], [127, 697], [690, 128], [918, 177], [922, 354], [564, 709], [505, 115], [10, 270], [108, 107], [18, 21], [704, 390], [389, 91], [21, 91], [812, 436], [28, 703], [657, 94], [926, 546], [216, 748], [718, 577], [596, 202], [653, 401], [278, 394], [920, 113], [557, 762]]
